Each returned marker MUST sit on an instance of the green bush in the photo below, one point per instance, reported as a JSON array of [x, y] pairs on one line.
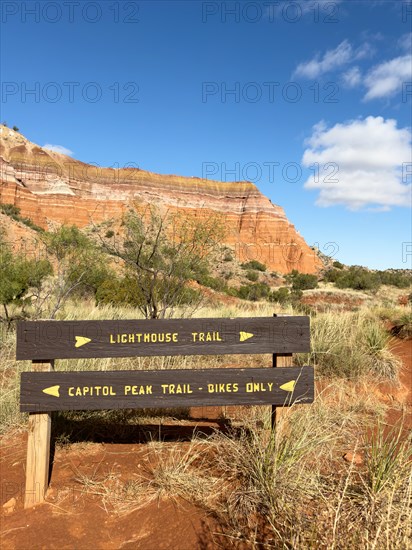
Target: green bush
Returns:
[[338, 265], [280, 295], [215, 283], [254, 292], [17, 276], [10, 210], [128, 291], [14, 212], [254, 264], [302, 281], [252, 276], [359, 278]]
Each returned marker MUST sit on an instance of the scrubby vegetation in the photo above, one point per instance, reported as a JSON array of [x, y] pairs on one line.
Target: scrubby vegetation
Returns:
[[254, 264], [282, 488], [360, 278], [14, 212]]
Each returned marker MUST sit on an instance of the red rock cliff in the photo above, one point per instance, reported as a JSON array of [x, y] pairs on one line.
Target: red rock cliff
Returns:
[[49, 187]]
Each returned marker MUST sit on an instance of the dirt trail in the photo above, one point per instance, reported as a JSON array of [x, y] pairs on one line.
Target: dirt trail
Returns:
[[71, 519]]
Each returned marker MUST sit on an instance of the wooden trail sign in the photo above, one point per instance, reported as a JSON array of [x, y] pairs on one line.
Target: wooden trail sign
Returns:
[[43, 340], [45, 391], [66, 391]]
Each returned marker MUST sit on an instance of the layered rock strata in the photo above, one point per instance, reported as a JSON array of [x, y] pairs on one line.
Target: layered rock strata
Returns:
[[49, 187]]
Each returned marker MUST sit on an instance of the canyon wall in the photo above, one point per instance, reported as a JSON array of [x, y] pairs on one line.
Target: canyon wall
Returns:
[[51, 188]]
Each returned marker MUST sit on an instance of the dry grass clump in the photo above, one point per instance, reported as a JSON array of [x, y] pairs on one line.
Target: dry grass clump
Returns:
[[350, 345], [291, 489]]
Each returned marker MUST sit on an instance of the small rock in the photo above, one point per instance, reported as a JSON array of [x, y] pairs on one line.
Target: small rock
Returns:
[[354, 458], [10, 506]]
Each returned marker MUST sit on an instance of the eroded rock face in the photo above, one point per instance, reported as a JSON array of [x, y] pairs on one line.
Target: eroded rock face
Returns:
[[50, 187]]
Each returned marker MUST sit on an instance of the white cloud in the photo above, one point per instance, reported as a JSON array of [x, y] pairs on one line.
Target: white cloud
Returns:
[[360, 163], [387, 78], [58, 149], [405, 42], [331, 60], [352, 77]]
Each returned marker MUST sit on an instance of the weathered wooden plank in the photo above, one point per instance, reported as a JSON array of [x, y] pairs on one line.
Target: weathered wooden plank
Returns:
[[38, 452], [169, 388], [75, 339]]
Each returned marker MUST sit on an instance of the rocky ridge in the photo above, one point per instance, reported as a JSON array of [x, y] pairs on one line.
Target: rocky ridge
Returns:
[[51, 188]]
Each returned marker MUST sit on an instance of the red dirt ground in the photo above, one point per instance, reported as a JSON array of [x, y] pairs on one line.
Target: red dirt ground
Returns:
[[71, 519]]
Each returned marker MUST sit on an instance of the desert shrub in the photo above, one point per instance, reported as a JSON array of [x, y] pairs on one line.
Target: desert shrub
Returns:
[[215, 283], [302, 281], [253, 292], [17, 276], [128, 291], [281, 295], [14, 212], [252, 276], [359, 278], [254, 264], [402, 326], [394, 278], [162, 252], [10, 210], [338, 265]]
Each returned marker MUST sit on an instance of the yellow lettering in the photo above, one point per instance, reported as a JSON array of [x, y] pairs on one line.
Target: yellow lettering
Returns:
[[270, 386], [208, 337], [171, 388], [235, 387], [112, 341], [127, 389], [201, 336], [70, 392], [78, 392], [194, 334], [164, 387], [218, 338], [123, 338], [146, 338], [131, 338], [174, 336], [168, 337], [149, 389], [249, 387]]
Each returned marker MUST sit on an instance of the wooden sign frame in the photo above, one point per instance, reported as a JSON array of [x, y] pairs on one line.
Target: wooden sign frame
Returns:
[[45, 390], [126, 338]]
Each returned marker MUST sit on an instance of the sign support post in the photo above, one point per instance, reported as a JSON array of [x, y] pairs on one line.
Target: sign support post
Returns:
[[38, 449], [274, 365]]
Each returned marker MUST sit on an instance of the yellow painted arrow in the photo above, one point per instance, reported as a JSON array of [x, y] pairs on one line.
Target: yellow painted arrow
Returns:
[[245, 336], [288, 386], [81, 341], [52, 390]]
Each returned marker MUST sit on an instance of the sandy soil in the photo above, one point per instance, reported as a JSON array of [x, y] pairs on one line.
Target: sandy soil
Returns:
[[71, 519]]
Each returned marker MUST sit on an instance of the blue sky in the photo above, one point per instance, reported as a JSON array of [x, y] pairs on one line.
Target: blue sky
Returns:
[[309, 100]]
